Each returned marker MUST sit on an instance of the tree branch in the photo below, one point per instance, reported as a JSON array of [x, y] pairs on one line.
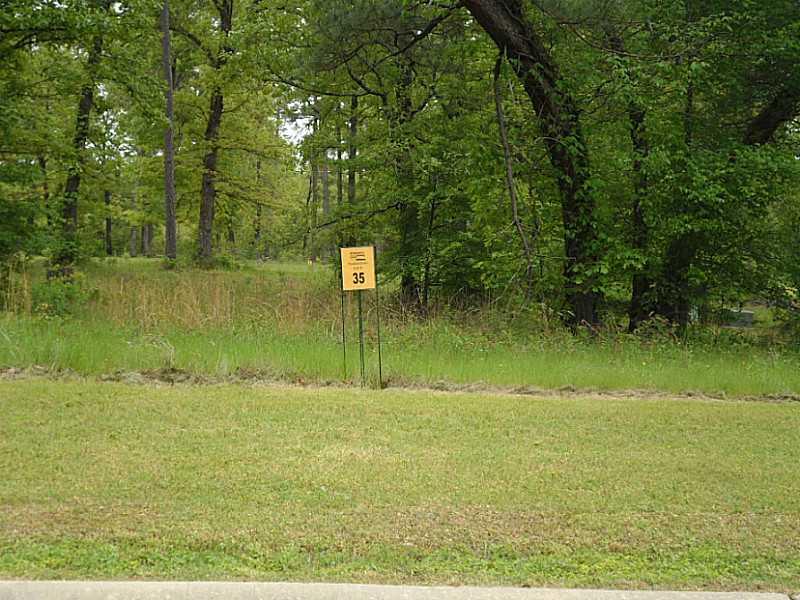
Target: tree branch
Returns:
[[512, 189], [212, 58], [784, 107]]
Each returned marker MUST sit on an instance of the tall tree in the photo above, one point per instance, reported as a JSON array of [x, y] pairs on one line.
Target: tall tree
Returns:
[[170, 196], [510, 26], [209, 191], [216, 50], [68, 252]]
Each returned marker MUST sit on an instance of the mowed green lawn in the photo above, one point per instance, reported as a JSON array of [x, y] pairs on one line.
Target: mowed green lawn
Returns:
[[106, 480]]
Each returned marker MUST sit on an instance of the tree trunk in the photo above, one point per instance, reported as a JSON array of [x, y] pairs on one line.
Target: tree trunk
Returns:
[[784, 107], [308, 233], [326, 200], [68, 252], [426, 275], [42, 160], [326, 188], [257, 231], [559, 120], [108, 240], [133, 246], [170, 197], [410, 292], [312, 209], [674, 293], [339, 171], [208, 195], [257, 226], [411, 235], [352, 151], [209, 192], [642, 284], [133, 238], [150, 229]]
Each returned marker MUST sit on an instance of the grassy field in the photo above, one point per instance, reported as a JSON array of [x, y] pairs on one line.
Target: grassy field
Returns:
[[282, 321], [107, 480]]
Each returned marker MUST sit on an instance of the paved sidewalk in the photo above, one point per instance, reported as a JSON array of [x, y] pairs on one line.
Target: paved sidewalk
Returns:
[[137, 590]]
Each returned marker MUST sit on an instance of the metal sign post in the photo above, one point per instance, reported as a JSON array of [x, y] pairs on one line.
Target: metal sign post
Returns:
[[361, 336], [358, 274], [344, 344], [378, 327]]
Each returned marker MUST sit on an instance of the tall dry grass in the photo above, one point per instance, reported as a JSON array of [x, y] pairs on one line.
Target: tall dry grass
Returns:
[[15, 287], [211, 300], [149, 298]]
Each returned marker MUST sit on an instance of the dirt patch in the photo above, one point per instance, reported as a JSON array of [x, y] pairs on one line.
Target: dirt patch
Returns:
[[576, 392], [171, 376]]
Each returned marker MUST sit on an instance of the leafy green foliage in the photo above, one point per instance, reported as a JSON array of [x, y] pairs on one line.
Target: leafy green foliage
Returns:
[[394, 141], [61, 296]]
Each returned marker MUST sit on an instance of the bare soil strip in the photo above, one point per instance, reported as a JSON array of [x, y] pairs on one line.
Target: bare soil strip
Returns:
[[267, 378]]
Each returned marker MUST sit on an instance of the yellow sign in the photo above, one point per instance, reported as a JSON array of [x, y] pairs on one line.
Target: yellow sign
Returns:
[[358, 268]]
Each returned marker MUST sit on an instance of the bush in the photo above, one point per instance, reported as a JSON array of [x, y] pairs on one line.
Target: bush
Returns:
[[62, 294], [221, 262]]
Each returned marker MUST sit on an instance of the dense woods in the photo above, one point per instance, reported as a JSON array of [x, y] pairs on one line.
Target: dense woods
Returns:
[[611, 161]]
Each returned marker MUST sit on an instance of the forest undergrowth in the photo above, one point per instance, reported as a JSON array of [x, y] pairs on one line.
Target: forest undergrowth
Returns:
[[282, 321]]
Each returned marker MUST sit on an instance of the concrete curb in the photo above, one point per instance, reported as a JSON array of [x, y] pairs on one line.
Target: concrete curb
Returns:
[[149, 590]]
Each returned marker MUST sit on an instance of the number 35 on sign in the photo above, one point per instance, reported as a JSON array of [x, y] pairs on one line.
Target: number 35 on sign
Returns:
[[358, 268]]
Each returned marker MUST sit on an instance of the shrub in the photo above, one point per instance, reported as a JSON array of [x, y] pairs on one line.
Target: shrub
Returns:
[[61, 295]]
